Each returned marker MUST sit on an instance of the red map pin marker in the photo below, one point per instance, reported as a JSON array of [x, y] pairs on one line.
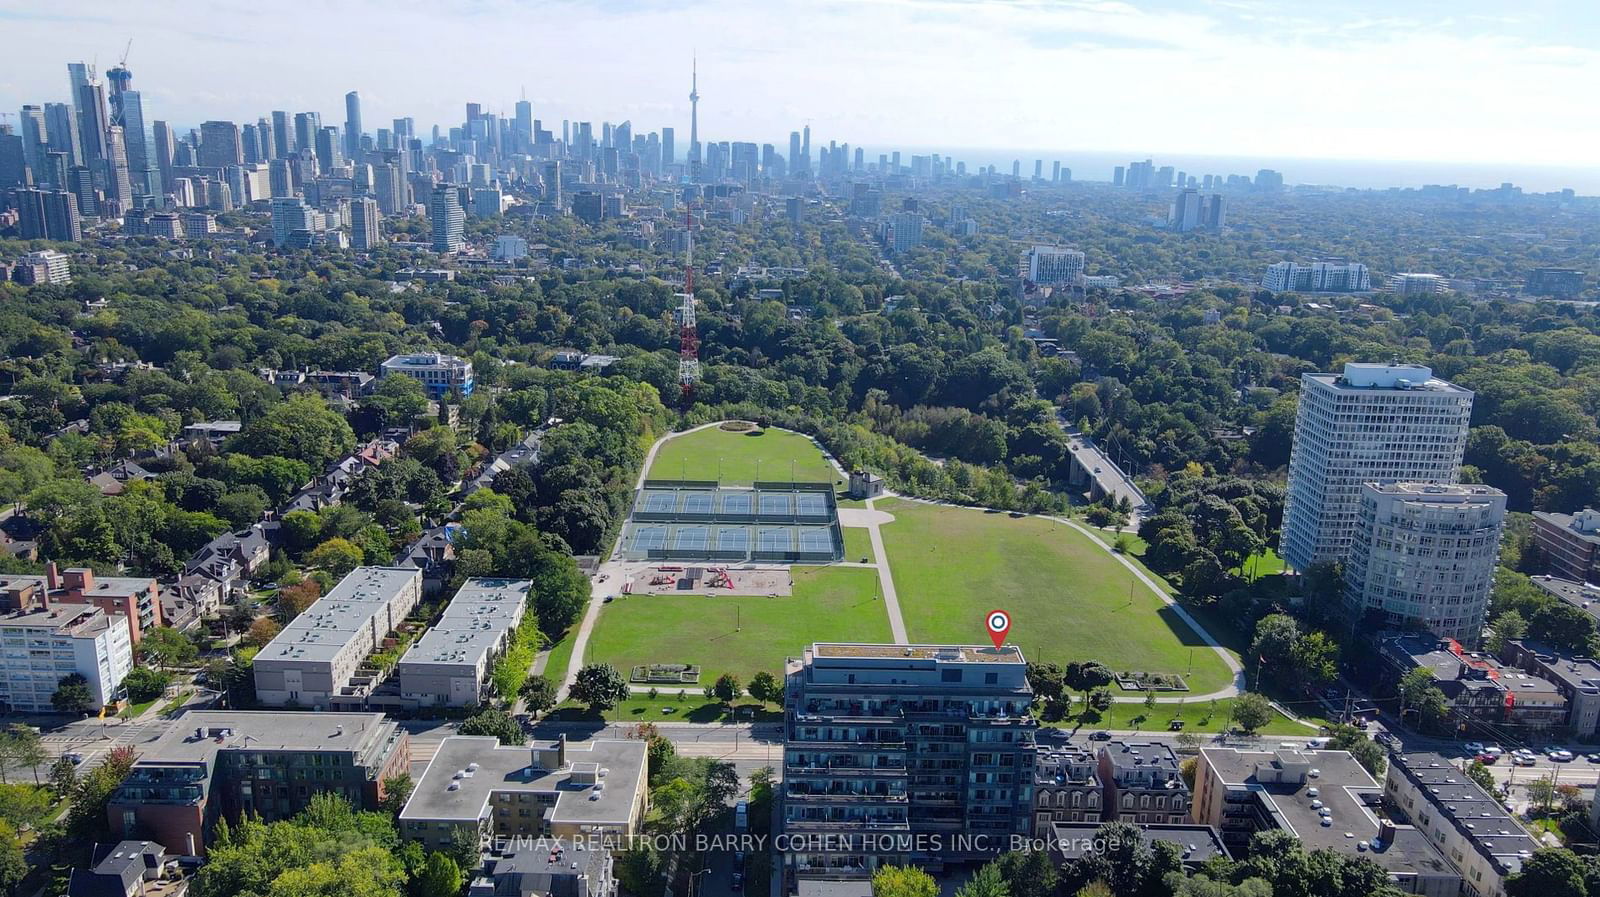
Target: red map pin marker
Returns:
[[999, 623]]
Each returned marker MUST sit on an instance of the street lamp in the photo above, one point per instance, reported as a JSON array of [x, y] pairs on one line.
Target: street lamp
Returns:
[[695, 875]]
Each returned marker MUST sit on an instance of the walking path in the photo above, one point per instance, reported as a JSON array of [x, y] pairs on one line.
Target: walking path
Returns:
[[891, 600]]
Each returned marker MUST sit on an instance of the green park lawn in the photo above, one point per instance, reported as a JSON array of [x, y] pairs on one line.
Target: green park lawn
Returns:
[[1068, 598], [858, 544], [829, 604], [1198, 716], [555, 666], [739, 459]]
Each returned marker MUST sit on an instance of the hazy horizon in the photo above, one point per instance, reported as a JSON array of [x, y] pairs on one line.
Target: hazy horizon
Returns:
[[1367, 84]]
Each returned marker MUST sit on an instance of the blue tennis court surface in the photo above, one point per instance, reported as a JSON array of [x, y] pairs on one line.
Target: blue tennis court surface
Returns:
[[695, 522]]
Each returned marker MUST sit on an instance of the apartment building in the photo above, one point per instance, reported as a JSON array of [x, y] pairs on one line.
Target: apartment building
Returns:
[[1477, 686], [1325, 799], [1066, 785], [549, 789], [1576, 679], [1570, 543], [1373, 423], [1472, 830], [1052, 265], [136, 599], [438, 373], [904, 754], [1317, 277], [317, 659], [226, 764], [1142, 783], [41, 642], [1424, 554], [450, 664]]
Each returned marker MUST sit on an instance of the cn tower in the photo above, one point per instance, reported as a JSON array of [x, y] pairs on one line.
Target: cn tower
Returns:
[[694, 113]]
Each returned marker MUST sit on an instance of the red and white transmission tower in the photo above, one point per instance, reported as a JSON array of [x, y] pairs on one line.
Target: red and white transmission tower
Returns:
[[688, 336]]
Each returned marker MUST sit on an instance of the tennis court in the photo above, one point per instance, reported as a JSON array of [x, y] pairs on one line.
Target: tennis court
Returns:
[[694, 520]]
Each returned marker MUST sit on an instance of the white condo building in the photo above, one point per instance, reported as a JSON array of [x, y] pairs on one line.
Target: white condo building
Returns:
[[39, 644], [1374, 423], [1406, 284], [1425, 553], [1317, 277], [1053, 265], [450, 663]]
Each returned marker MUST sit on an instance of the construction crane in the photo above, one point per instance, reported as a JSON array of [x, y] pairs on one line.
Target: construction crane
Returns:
[[125, 50]]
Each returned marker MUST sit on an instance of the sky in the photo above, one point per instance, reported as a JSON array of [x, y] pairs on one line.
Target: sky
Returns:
[[1453, 81]]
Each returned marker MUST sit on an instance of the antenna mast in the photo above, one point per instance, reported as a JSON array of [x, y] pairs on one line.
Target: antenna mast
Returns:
[[688, 335]]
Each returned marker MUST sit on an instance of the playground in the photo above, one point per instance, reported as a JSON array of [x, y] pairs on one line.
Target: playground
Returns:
[[674, 579]]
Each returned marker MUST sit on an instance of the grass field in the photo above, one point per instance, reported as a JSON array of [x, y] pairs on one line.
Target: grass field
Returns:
[[1197, 716], [1068, 598], [828, 604], [738, 459], [668, 708], [858, 544], [555, 666]]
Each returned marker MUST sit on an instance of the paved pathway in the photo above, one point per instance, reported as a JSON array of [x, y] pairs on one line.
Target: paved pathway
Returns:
[[891, 600]]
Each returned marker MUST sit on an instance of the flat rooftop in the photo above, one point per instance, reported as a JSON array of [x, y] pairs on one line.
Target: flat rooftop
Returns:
[[1473, 812], [263, 730], [1073, 840], [1361, 378], [473, 624], [1581, 595], [78, 620], [479, 766], [1343, 788], [1447, 493], [947, 653], [322, 630]]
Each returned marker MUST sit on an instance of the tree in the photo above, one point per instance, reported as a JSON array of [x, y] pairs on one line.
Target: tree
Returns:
[[440, 876], [497, 723], [1551, 872], [1507, 627], [986, 882], [293, 599], [1029, 873], [63, 776], [659, 750], [538, 693], [766, 688], [337, 556], [1086, 676], [1367, 752], [1274, 640], [72, 695], [601, 687], [25, 747], [13, 863], [727, 688], [1315, 660], [262, 631], [1483, 778], [86, 819], [301, 428], [903, 881], [144, 684], [1420, 695], [1251, 711], [167, 647], [396, 791], [1047, 680]]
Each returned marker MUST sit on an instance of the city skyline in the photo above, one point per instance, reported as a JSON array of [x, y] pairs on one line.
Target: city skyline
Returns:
[[760, 89]]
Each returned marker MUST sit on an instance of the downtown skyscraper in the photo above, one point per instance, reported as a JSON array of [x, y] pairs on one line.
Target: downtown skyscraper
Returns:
[[352, 125]]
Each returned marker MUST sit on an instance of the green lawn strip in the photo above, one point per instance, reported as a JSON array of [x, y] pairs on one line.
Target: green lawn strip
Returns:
[[740, 458], [1068, 599], [693, 708], [133, 710], [176, 702], [555, 666], [741, 635], [858, 544], [1198, 716]]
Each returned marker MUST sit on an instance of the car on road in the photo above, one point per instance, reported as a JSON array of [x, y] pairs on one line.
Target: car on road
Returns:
[[738, 881], [1523, 760], [73, 757], [1494, 749], [1385, 739], [1100, 736], [1473, 747], [1488, 759], [1561, 755], [1592, 758]]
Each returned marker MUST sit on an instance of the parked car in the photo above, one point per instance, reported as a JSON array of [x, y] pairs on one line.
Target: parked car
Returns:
[[1473, 747], [1561, 755], [1100, 736], [1523, 760], [1488, 759]]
